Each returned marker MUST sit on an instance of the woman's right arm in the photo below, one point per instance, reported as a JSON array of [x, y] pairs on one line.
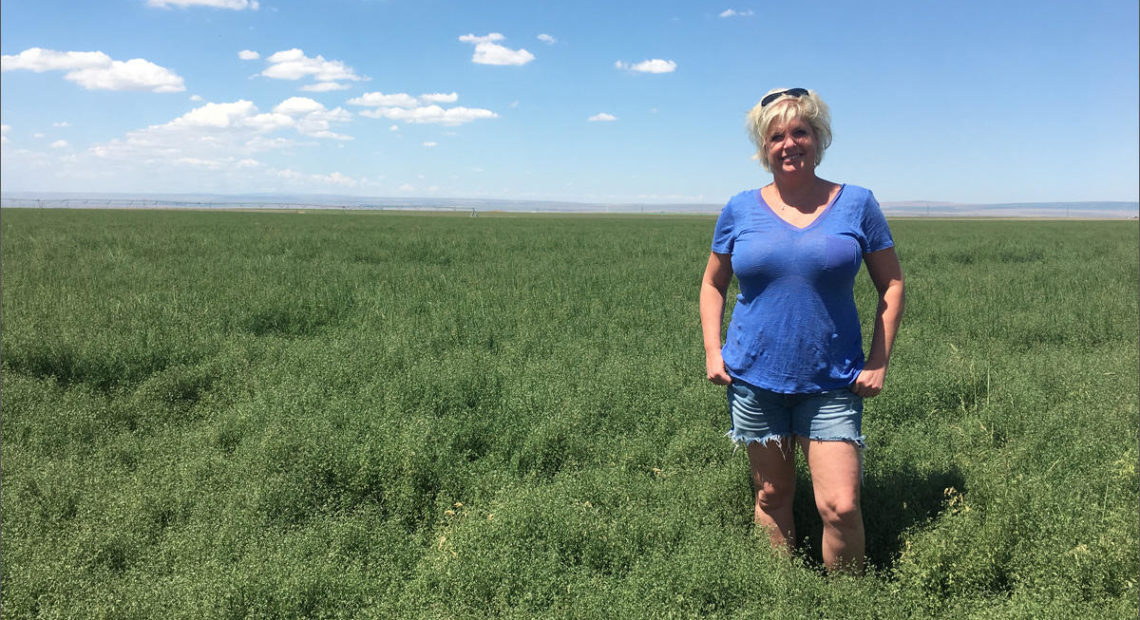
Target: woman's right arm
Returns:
[[714, 288]]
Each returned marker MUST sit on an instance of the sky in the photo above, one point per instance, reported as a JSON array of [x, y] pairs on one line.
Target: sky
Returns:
[[603, 102]]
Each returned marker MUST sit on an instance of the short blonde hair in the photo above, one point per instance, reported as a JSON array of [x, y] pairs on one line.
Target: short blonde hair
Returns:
[[783, 110]]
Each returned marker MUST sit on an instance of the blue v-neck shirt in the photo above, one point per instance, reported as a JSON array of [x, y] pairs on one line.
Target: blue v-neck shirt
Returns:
[[795, 328]]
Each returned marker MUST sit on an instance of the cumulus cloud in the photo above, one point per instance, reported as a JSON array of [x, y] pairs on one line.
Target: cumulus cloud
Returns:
[[4, 129], [324, 87], [234, 5], [431, 144], [422, 109], [61, 124], [431, 114], [59, 144], [489, 52], [602, 118], [440, 97], [734, 13], [248, 55], [335, 178], [401, 100], [547, 39], [228, 132], [293, 64], [654, 65], [195, 98], [96, 70], [311, 118]]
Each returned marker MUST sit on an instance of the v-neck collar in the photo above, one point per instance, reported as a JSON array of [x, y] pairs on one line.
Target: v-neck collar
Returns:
[[818, 216]]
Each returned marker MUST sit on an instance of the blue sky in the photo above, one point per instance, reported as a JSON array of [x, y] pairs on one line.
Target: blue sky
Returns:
[[583, 101]]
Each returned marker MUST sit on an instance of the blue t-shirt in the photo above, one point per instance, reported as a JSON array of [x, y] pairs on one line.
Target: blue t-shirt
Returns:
[[794, 328]]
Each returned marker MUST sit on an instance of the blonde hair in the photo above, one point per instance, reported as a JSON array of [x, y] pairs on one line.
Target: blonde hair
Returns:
[[786, 108]]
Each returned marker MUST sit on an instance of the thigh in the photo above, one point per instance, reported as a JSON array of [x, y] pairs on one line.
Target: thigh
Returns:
[[835, 415], [758, 415], [773, 466], [836, 469]]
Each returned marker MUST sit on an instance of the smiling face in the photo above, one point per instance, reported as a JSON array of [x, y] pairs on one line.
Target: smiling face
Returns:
[[791, 147]]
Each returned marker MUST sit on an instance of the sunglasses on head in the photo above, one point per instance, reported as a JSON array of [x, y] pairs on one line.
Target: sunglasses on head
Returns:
[[793, 92]]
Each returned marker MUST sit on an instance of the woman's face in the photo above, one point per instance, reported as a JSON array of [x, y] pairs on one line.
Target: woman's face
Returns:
[[791, 147]]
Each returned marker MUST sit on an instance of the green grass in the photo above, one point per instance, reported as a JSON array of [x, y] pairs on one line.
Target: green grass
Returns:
[[375, 415]]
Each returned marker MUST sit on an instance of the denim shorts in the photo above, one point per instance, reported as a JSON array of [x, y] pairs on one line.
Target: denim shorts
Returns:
[[760, 415]]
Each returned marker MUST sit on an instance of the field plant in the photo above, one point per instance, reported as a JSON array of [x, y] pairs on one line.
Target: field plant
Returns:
[[339, 414]]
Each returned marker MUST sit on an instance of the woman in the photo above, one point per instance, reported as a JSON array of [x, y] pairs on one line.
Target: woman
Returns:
[[793, 356]]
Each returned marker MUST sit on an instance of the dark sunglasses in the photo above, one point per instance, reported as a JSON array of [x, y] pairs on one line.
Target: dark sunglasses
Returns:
[[794, 92]]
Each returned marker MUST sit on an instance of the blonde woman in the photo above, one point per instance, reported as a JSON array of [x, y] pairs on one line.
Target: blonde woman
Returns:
[[793, 359]]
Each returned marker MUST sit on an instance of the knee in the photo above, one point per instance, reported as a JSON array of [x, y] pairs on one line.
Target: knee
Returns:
[[773, 496], [840, 512]]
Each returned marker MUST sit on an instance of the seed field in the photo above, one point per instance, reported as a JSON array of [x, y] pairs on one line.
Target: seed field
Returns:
[[326, 415]]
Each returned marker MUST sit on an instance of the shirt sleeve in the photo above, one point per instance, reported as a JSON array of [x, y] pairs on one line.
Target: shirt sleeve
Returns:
[[724, 236], [876, 233]]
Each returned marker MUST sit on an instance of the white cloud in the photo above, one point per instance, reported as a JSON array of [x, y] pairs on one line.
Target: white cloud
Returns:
[[248, 55], [733, 13], [490, 38], [293, 64], [404, 107], [4, 129], [602, 117], [547, 39], [431, 144], [37, 135], [655, 65], [298, 105], [407, 187], [401, 100], [235, 5], [209, 164], [488, 52], [440, 97], [61, 124], [324, 87], [335, 178], [195, 98], [312, 118], [220, 132], [431, 114], [394, 128], [97, 71], [59, 144]]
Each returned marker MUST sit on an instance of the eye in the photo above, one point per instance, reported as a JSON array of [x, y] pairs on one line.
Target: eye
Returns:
[[800, 133], [776, 137]]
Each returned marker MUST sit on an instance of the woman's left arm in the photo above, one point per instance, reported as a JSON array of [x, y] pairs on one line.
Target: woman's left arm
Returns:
[[886, 273]]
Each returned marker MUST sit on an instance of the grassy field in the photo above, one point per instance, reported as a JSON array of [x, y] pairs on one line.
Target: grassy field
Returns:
[[216, 415]]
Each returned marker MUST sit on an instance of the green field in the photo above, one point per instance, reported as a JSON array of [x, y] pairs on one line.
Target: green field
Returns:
[[215, 415]]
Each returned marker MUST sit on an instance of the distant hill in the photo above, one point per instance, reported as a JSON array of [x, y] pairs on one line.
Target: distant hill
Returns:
[[1091, 210]]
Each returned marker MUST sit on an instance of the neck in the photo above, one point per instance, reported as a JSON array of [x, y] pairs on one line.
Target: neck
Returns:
[[796, 189]]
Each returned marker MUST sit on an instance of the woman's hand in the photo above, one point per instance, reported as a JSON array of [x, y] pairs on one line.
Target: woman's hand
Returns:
[[718, 274], [869, 382], [886, 274], [714, 369]]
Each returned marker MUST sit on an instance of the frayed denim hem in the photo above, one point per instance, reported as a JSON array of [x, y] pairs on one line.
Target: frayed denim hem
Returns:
[[858, 441], [741, 440]]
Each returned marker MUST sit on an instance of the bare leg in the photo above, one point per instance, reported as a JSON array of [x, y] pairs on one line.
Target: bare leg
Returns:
[[835, 478], [774, 479]]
